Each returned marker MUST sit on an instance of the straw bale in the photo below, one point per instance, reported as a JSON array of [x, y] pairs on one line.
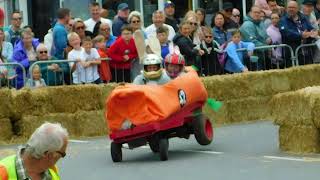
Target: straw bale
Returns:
[[90, 123], [106, 90], [294, 108], [239, 110], [299, 139], [304, 76], [6, 102], [6, 132], [69, 99], [28, 123]]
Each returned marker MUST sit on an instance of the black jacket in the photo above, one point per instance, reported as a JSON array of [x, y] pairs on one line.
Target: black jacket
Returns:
[[186, 47]]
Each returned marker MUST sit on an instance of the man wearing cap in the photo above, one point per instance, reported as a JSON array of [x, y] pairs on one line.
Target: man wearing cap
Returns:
[[308, 11], [121, 19], [169, 13], [94, 22], [229, 24], [295, 29]]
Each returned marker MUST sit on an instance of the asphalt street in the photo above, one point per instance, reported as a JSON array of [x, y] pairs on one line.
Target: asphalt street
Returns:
[[241, 152]]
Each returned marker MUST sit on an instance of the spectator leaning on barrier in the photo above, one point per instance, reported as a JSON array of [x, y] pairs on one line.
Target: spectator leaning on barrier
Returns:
[[122, 53], [14, 32], [75, 54], [37, 81], [121, 19], [24, 53], [52, 73], [93, 23], [295, 29], [104, 68], [37, 159]]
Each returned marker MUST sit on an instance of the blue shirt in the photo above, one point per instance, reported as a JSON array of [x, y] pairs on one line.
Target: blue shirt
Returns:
[[59, 40], [221, 36], [111, 40], [164, 50]]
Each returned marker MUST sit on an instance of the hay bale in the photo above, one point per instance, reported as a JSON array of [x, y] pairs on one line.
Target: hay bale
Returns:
[[106, 90], [6, 132], [299, 139], [239, 110], [90, 123], [304, 76], [6, 103], [27, 125]]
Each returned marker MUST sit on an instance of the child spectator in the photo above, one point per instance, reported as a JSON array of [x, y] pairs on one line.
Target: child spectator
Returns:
[[166, 45], [123, 52], [75, 54], [174, 64], [235, 62], [36, 81], [152, 71], [209, 61], [104, 69], [91, 60]]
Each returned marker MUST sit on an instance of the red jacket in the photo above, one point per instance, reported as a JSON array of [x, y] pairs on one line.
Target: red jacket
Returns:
[[117, 51], [104, 69]]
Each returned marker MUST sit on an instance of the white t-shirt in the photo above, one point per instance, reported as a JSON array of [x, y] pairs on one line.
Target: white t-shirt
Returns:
[[90, 23], [74, 55], [90, 74], [152, 31]]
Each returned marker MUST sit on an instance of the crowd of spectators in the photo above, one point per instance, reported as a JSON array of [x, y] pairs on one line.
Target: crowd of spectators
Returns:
[[101, 50]]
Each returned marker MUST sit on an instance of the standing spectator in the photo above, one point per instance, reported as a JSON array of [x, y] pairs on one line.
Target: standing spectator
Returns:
[[235, 62], [6, 52], [92, 24], [158, 20], [51, 72], [105, 30], [75, 55], [123, 52], [201, 13], [60, 40], [274, 7], [136, 22], [220, 35], [253, 29], [169, 10], [185, 44], [60, 33], [37, 159], [295, 29], [166, 45], [209, 61], [104, 68], [1, 17], [307, 10], [275, 35], [14, 32], [263, 5], [229, 25], [79, 27], [196, 34], [24, 53], [236, 16], [121, 19]]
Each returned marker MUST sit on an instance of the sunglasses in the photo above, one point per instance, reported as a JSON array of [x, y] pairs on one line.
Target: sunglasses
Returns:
[[135, 21], [236, 15], [16, 19], [62, 154], [43, 52], [193, 23], [80, 27], [208, 36]]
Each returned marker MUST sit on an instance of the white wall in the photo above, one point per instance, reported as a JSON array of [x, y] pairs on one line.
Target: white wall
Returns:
[[24, 10]]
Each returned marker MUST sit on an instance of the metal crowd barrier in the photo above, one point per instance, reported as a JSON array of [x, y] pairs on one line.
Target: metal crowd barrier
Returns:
[[66, 77], [9, 77], [307, 55]]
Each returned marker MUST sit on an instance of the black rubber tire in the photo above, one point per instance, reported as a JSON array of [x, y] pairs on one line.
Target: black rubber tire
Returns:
[[203, 131], [154, 145], [116, 152], [163, 149]]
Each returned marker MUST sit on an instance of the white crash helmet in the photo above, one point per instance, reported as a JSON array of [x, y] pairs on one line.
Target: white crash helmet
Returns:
[[152, 59]]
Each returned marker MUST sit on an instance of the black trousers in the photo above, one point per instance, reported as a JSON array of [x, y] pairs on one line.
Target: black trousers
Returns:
[[120, 75]]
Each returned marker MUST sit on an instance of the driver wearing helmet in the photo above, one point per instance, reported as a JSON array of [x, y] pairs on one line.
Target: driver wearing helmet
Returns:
[[152, 71], [174, 64]]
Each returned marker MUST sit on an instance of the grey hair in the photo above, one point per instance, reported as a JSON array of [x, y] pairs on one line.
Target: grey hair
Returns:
[[49, 137], [26, 32], [41, 46]]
